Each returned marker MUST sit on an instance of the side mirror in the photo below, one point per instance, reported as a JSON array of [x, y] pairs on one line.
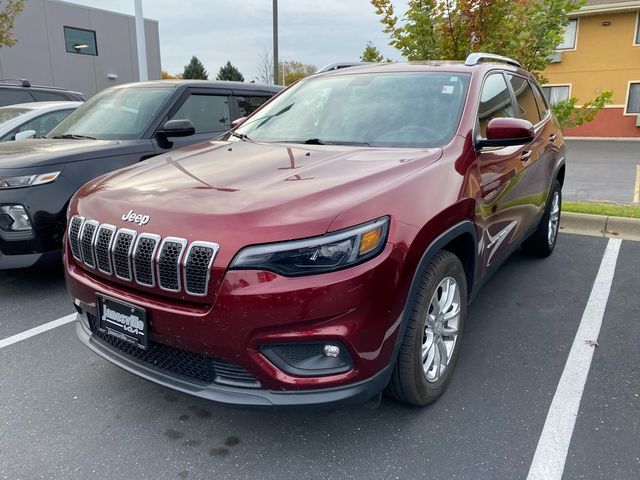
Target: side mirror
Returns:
[[237, 122], [24, 134], [506, 132], [177, 128]]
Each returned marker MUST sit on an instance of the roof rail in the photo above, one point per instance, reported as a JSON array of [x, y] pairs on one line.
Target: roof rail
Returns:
[[475, 58], [23, 82]]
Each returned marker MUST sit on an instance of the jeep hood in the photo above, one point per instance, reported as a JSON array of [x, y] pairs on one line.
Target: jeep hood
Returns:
[[210, 190], [47, 151]]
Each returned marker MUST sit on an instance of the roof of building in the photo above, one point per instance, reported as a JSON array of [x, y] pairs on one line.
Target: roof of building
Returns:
[[595, 7]]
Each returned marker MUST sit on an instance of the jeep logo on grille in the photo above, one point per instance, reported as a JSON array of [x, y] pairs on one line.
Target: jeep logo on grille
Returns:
[[134, 217]]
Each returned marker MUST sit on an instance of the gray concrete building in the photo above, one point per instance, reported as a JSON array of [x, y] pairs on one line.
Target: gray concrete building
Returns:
[[76, 47]]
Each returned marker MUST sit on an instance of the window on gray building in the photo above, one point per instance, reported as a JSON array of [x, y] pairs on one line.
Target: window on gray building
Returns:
[[79, 40]]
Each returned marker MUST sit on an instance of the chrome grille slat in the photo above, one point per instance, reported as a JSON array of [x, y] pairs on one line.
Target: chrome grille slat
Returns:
[[172, 264], [87, 236], [102, 247], [171, 251], [75, 227], [197, 267], [121, 253], [144, 254]]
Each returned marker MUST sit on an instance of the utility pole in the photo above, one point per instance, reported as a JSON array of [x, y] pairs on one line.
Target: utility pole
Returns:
[[141, 44], [275, 42]]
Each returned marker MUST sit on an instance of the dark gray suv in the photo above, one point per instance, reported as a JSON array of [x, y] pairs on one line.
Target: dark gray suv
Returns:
[[13, 92], [117, 127]]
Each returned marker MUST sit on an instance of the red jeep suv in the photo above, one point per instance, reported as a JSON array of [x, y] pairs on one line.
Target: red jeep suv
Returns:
[[327, 248]]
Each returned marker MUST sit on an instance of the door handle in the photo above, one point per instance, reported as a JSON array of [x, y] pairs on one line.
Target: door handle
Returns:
[[526, 156], [552, 137]]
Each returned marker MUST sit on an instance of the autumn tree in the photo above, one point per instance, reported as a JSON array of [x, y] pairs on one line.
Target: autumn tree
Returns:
[[527, 30], [164, 75], [195, 70], [371, 54], [8, 14], [294, 70], [229, 72]]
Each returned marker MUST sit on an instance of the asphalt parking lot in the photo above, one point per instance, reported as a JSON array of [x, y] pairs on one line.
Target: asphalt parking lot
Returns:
[[67, 414]]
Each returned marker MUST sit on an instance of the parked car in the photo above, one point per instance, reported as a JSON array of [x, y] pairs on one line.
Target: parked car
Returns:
[[32, 120], [13, 92], [116, 128], [328, 247]]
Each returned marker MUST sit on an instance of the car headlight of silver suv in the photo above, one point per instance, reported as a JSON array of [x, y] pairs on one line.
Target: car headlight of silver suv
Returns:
[[327, 253], [28, 180]]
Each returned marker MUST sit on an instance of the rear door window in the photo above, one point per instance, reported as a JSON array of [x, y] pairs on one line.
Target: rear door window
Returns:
[[249, 104], [528, 109], [495, 101], [43, 96], [540, 100], [9, 96], [208, 113]]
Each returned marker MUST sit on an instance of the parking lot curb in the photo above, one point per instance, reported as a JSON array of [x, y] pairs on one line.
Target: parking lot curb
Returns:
[[600, 225]]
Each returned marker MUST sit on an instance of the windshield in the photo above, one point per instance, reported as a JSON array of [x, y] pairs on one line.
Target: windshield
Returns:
[[121, 113], [7, 114], [378, 110]]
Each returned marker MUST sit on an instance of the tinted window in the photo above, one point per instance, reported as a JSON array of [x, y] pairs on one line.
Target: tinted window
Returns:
[[208, 113], [9, 96], [42, 124], [115, 113], [249, 104], [378, 109], [44, 96], [524, 98], [495, 101], [542, 104], [80, 41]]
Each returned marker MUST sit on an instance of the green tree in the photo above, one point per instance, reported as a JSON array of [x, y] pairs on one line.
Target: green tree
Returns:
[[527, 30], [294, 71], [229, 72], [8, 14], [195, 70], [569, 115], [371, 54]]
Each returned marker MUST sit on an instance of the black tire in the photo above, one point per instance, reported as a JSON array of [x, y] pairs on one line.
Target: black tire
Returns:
[[541, 243], [409, 382]]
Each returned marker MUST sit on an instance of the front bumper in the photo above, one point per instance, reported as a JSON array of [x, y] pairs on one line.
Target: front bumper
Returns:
[[355, 393], [359, 308]]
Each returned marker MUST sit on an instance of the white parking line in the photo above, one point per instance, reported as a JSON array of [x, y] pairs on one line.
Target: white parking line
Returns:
[[5, 342], [553, 446]]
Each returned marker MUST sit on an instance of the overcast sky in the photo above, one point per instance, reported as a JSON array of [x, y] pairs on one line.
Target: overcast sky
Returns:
[[312, 31]]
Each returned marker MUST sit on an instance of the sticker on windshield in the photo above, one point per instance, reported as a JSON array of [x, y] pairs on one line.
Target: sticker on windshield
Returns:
[[447, 89]]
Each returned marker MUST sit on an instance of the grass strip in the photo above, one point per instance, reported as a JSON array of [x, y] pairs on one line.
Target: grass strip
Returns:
[[607, 209]]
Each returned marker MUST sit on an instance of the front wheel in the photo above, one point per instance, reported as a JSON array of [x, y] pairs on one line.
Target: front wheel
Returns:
[[437, 309], [542, 242]]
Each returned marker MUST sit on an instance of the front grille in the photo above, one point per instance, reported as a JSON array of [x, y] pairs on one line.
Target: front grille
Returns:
[[103, 247], [143, 256], [121, 253], [74, 236], [171, 263], [197, 266], [86, 242], [180, 362]]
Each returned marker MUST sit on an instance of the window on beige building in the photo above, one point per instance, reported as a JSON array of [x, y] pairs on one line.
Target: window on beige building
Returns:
[[569, 41], [556, 93], [633, 102]]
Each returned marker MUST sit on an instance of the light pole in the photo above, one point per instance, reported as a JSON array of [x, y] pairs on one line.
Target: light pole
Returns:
[[275, 42], [141, 43]]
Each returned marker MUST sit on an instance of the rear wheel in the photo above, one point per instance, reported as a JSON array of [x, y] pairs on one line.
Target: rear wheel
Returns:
[[542, 242], [431, 345]]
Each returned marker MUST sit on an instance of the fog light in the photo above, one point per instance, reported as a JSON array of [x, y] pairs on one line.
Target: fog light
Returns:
[[309, 359], [331, 351], [15, 218]]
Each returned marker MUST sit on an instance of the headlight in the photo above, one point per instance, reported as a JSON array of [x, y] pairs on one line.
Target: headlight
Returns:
[[327, 253], [28, 180]]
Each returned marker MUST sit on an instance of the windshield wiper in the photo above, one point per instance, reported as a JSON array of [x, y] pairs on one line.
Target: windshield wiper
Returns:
[[317, 141], [241, 136], [74, 136]]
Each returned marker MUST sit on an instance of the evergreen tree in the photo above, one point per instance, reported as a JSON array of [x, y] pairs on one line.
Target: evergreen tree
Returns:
[[195, 70], [371, 54], [229, 72]]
